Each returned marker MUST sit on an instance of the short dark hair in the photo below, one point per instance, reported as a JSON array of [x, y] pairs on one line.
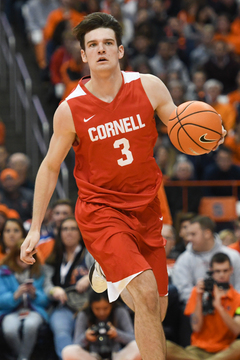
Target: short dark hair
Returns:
[[205, 222], [220, 258], [94, 21], [63, 202]]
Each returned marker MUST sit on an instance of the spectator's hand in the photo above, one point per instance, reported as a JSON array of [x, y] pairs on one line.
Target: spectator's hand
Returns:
[[31, 290], [90, 335], [28, 247], [200, 287], [59, 294], [112, 332], [23, 288], [217, 293], [82, 284]]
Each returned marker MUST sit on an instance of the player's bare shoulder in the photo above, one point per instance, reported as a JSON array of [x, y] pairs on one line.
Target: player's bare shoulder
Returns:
[[63, 119], [155, 89], [158, 95]]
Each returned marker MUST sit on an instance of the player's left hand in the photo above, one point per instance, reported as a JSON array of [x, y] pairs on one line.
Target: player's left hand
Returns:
[[221, 140]]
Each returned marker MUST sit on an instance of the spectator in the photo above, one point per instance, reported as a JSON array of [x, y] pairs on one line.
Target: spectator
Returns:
[[223, 32], [203, 51], [115, 320], [23, 302], [213, 90], [177, 91], [127, 25], [21, 163], [227, 237], [222, 169], [3, 157], [11, 232], [236, 244], [166, 60], [234, 96], [35, 13], [217, 325], [65, 267], [183, 220], [193, 263], [14, 196], [183, 170], [195, 90], [222, 67], [169, 234], [60, 210], [166, 157]]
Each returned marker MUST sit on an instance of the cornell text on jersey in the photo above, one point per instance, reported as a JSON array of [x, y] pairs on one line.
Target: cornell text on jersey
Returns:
[[116, 127]]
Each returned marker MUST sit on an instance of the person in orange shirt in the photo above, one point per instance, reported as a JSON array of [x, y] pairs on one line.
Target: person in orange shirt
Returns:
[[213, 89], [216, 326], [224, 33]]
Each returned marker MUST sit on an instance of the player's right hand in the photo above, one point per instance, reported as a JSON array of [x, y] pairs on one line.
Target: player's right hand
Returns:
[[28, 247]]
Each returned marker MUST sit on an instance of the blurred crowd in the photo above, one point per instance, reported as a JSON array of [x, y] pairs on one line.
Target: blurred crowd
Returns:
[[193, 46]]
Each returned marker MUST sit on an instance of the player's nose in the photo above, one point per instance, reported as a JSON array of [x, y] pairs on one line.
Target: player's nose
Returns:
[[101, 48]]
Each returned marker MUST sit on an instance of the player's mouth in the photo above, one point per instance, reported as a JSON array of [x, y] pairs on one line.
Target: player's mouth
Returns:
[[102, 59]]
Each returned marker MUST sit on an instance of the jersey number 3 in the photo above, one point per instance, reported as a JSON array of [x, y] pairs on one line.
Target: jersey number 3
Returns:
[[125, 151]]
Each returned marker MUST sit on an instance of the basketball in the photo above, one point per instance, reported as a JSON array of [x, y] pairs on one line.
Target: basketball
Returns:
[[194, 128]]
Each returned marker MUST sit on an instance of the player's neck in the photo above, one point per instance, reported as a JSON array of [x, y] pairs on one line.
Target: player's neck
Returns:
[[105, 87]]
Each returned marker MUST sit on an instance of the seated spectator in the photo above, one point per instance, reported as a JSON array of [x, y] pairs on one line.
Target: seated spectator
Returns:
[[183, 170], [12, 231], [65, 267], [15, 196], [227, 237], [23, 302], [236, 244], [193, 263], [117, 330], [169, 234], [224, 33], [222, 67], [215, 320], [21, 163], [222, 169], [232, 141], [177, 90], [203, 51], [60, 210], [213, 90], [35, 13], [166, 60], [165, 158], [195, 90], [234, 96], [182, 222], [6, 213], [3, 157]]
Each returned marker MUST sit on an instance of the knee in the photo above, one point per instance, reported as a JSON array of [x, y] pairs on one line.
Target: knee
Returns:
[[144, 291]]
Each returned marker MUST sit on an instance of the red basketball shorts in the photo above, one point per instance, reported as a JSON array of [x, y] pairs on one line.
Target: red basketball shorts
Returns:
[[124, 243]]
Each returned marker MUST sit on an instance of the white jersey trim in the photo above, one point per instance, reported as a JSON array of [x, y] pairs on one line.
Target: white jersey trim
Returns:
[[130, 76], [77, 92], [115, 289]]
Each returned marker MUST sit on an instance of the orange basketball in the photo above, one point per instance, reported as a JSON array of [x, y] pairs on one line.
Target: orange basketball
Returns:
[[194, 128]]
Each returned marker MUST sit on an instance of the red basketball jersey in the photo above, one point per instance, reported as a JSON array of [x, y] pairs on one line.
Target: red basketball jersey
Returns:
[[114, 158]]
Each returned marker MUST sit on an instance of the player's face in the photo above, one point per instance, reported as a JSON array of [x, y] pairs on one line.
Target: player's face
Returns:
[[222, 272], [101, 50], [197, 236], [101, 309]]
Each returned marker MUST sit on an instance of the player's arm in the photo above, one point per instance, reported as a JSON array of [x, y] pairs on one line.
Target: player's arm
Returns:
[[63, 136], [159, 96]]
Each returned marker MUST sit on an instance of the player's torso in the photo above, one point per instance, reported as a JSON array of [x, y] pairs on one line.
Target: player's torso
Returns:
[[116, 139]]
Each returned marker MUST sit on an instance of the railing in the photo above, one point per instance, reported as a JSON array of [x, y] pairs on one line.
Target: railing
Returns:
[[234, 184], [26, 109]]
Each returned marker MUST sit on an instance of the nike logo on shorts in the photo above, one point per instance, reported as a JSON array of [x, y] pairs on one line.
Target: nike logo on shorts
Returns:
[[86, 120]]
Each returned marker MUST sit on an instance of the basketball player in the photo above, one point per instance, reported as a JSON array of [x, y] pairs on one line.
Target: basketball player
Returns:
[[109, 121]]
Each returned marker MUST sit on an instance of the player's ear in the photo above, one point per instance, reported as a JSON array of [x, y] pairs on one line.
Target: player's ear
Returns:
[[120, 52], [83, 55]]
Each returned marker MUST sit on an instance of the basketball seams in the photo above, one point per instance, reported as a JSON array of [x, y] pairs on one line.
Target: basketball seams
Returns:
[[181, 111]]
